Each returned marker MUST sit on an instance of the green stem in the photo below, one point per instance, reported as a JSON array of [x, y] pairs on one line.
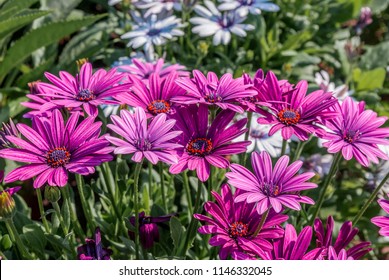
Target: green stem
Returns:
[[247, 134], [370, 200], [59, 215], [187, 193], [284, 144], [261, 223], [41, 210], [136, 207], [150, 167], [84, 204], [73, 217], [210, 182], [326, 183], [163, 191], [300, 148], [18, 240], [2, 256]]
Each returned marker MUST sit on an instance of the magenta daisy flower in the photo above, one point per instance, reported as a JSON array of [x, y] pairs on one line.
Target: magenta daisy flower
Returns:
[[346, 235], [209, 90], [53, 148], [382, 221], [204, 145], [233, 225], [8, 129], [334, 256], [268, 187], [93, 249], [86, 89], [155, 97], [357, 132], [152, 141], [294, 112]]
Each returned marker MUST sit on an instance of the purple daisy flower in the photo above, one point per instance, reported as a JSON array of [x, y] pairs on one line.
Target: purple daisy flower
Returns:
[[52, 149], [93, 249], [155, 96], [212, 91], [295, 112], [346, 235], [86, 89], [293, 246], [382, 221], [268, 187], [8, 129], [357, 132], [203, 145], [334, 256], [148, 228], [233, 225], [152, 141]]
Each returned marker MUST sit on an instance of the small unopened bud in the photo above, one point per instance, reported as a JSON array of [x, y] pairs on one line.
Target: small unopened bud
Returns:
[[7, 203], [52, 194], [81, 62], [203, 47], [34, 87]]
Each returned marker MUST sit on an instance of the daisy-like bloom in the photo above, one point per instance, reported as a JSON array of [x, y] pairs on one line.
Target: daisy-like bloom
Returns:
[[8, 129], [36, 102], [53, 148], [233, 225], [93, 249], [156, 7], [345, 236], [212, 91], [292, 246], [365, 19], [86, 89], [7, 203], [219, 24], [382, 221], [202, 144], [268, 187], [153, 141], [148, 228], [295, 112], [157, 97], [248, 6], [322, 79], [151, 31], [356, 132]]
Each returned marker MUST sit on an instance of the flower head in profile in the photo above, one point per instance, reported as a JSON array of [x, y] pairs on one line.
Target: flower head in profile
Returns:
[[148, 228], [8, 129], [219, 24], [159, 6], [346, 234], [271, 187], [382, 221], [153, 141], [86, 90], [356, 132], [248, 6], [151, 31], [204, 145], [209, 90], [53, 148], [233, 225], [7, 203], [294, 112], [93, 249]]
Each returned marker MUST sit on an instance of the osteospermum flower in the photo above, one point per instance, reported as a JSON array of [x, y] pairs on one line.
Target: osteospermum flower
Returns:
[[148, 228], [271, 187], [202, 144], [156, 7], [53, 148], [346, 234], [334, 256], [382, 221], [356, 132], [233, 225], [153, 31], [93, 249], [155, 96], [322, 79], [86, 90], [152, 141], [294, 112], [8, 129], [219, 24], [212, 91], [248, 6]]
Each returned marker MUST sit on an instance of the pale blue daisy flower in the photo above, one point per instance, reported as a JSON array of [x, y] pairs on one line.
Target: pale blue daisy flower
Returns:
[[158, 6], [248, 6]]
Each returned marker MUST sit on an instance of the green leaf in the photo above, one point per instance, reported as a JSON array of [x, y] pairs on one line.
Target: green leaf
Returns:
[[66, 214], [369, 80], [177, 233], [41, 37], [6, 243], [57, 240], [35, 237], [376, 56], [18, 4]]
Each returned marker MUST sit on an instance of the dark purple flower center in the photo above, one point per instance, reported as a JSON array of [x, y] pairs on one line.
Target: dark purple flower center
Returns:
[[289, 116], [257, 134], [227, 20], [154, 32], [57, 157], [199, 147], [238, 229], [213, 98], [142, 144], [158, 106], [270, 190], [85, 95], [351, 136]]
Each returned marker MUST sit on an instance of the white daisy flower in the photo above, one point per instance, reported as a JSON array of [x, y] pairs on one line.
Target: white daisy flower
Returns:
[[248, 6], [156, 7]]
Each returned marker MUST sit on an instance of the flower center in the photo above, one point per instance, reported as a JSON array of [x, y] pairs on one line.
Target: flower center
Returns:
[[289, 116], [238, 229], [142, 145], [153, 32], [57, 157], [199, 147], [270, 190], [213, 98], [85, 95], [257, 134], [351, 136], [158, 106]]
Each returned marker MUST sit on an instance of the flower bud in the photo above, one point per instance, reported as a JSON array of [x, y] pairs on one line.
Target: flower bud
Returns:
[[7, 203], [52, 194]]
